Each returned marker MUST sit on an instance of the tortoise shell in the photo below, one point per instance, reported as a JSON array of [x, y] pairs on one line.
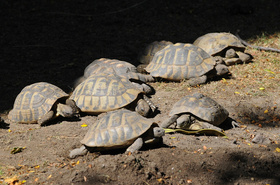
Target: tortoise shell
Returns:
[[202, 107], [149, 52], [34, 101], [117, 129], [121, 68], [104, 64], [216, 43], [180, 61], [104, 92]]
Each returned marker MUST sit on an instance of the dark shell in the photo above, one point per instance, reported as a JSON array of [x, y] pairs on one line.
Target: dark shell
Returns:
[[215, 43], [202, 107]]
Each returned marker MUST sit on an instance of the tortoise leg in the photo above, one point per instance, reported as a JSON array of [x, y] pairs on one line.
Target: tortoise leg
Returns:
[[78, 151], [45, 118], [147, 89], [145, 77], [198, 80], [204, 125], [244, 57], [138, 143], [232, 61], [143, 87], [150, 103], [234, 124], [170, 121]]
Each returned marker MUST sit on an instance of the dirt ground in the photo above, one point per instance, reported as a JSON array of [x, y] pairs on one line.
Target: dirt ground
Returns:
[[54, 41]]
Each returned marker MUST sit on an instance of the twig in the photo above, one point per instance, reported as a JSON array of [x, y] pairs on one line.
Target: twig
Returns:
[[94, 15], [256, 47]]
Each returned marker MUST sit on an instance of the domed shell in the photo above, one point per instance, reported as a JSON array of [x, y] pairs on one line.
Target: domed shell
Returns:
[[34, 101], [110, 65], [116, 129], [103, 93], [180, 61], [121, 68], [202, 107], [215, 43], [149, 52]]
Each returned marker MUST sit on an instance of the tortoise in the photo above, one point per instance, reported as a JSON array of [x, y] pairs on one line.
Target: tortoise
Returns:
[[121, 68], [146, 56], [226, 47], [119, 129], [106, 92], [41, 102], [185, 62], [196, 111]]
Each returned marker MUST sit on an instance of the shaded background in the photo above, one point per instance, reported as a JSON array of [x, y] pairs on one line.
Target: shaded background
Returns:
[[54, 41]]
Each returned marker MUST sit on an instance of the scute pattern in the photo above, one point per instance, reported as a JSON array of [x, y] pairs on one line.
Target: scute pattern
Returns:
[[116, 129], [110, 65], [214, 43], [34, 101], [180, 61], [202, 107], [103, 92]]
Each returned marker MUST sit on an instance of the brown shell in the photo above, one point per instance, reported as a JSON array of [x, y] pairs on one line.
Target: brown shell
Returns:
[[180, 61], [34, 101], [103, 93], [110, 65], [215, 43], [202, 107], [121, 68], [116, 129]]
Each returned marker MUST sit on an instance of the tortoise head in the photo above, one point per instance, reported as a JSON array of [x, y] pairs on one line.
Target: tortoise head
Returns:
[[221, 69], [158, 132], [69, 109], [142, 108]]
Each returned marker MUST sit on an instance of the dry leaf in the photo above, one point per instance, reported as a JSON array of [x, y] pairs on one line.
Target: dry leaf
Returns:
[[83, 125], [12, 180], [160, 180], [277, 150], [266, 111], [189, 181]]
